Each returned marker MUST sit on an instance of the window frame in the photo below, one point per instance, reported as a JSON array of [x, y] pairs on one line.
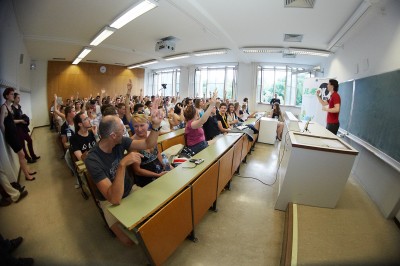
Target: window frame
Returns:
[[291, 88]]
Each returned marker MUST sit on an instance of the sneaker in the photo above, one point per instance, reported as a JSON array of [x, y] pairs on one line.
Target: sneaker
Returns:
[[17, 186], [30, 160], [5, 202], [22, 195], [14, 243]]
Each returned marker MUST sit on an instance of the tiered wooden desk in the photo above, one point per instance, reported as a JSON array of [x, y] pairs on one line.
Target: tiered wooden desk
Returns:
[[164, 213]]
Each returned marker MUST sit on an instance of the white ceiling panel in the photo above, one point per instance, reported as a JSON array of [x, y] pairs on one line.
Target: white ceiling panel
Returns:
[[60, 28]]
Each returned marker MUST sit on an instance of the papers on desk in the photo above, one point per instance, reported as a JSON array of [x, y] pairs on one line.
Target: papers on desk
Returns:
[[234, 134], [241, 127]]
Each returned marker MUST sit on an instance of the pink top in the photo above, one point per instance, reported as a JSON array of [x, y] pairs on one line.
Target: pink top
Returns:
[[193, 136]]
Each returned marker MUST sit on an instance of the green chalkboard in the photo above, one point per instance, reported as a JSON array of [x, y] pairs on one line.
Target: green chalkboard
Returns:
[[376, 117], [346, 96]]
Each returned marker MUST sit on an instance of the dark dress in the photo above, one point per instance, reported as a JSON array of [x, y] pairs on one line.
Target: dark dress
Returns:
[[151, 163], [11, 132], [23, 132]]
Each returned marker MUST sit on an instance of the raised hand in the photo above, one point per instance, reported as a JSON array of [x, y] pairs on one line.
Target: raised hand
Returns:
[[94, 129], [156, 114], [213, 99], [129, 86]]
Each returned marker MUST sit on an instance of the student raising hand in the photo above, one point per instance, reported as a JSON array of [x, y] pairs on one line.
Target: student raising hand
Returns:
[[156, 114]]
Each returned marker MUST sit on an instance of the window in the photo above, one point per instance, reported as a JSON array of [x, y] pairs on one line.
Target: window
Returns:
[[207, 79], [169, 77], [285, 81]]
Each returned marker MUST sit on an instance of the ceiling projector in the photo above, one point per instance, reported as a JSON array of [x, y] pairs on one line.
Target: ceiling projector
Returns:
[[165, 46]]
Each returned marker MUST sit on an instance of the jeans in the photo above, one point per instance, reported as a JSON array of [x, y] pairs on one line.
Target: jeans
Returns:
[[199, 146]]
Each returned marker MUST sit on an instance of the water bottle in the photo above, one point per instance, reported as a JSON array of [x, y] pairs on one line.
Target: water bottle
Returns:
[[167, 166]]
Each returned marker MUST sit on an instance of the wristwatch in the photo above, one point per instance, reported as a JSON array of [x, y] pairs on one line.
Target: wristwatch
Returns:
[[156, 129]]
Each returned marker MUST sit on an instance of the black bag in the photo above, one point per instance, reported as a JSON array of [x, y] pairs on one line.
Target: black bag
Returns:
[[186, 153], [27, 121]]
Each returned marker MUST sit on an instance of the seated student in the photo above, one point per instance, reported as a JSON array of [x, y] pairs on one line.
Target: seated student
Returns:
[[107, 164], [138, 108], [84, 139], [150, 167], [176, 118], [195, 138], [90, 109], [222, 118], [148, 105], [276, 113], [210, 127], [231, 115], [165, 127], [199, 104]]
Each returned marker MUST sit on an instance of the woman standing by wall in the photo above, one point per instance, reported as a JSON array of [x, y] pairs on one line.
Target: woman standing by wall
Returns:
[[9, 130], [22, 122]]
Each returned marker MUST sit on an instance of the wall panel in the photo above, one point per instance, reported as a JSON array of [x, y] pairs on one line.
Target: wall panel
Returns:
[[66, 80]]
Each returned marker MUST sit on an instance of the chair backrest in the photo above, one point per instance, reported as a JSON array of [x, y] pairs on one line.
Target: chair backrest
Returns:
[[93, 189]]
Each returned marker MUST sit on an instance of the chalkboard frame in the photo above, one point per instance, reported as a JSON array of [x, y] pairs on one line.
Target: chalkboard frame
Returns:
[[373, 117]]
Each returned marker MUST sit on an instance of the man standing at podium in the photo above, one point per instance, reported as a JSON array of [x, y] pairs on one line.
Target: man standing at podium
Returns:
[[332, 106]]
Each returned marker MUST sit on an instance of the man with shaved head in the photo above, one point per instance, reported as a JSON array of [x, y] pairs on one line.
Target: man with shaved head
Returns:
[[107, 164]]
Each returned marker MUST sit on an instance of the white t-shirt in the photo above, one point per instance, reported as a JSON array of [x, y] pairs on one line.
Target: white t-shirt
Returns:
[[165, 127]]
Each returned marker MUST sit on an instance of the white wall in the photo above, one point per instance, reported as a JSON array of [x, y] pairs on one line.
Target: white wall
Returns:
[[12, 73], [373, 49], [40, 113], [32, 84]]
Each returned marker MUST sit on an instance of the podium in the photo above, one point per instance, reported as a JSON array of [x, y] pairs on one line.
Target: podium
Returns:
[[314, 168], [267, 130]]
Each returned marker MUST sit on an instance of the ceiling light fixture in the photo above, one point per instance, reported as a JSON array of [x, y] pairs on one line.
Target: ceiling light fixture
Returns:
[[175, 57], [102, 35], [288, 51], [302, 51], [210, 52], [133, 12], [143, 64], [262, 49], [82, 55]]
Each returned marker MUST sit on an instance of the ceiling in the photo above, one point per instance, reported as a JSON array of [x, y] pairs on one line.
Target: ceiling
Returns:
[[60, 29]]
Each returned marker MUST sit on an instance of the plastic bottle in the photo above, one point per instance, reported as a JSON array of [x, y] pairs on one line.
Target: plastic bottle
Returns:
[[167, 166]]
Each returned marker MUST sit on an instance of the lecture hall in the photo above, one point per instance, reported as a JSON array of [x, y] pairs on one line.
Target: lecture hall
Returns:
[[200, 132]]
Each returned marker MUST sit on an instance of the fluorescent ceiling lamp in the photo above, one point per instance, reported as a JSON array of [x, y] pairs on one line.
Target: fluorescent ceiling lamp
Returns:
[[135, 11], [362, 8], [265, 49], [82, 55], [285, 51], [76, 61], [211, 52], [103, 34], [175, 57], [84, 52], [143, 64], [309, 52]]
